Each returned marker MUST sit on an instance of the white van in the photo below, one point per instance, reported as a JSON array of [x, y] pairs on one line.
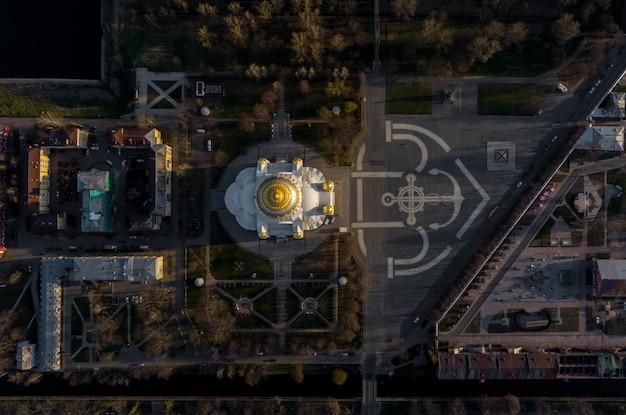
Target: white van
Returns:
[[209, 145], [201, 130]]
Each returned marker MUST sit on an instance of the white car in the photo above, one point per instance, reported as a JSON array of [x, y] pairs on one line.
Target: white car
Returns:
[[416, 319]]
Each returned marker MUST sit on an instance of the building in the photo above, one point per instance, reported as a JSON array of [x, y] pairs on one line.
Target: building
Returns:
[[542, 366], [280, 199], [602, 138], [452, 366], [38, 180], [485, 366], [609, 278], [62, 137], [55, 269], [25, 355], [135, 137], [156, 204], [96, 189], [482, 366], [611, 109], [512, 366]]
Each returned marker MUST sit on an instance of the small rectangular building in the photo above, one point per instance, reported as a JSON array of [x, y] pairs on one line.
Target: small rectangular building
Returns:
[[25, 355]]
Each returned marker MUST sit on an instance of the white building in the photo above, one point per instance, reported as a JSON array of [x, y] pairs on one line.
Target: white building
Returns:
[[280, 199]]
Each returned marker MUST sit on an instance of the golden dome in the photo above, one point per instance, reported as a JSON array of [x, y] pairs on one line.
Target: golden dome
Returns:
[[328, 209], [278, 196]]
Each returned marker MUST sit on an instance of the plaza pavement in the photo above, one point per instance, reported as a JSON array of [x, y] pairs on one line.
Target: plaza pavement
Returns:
[[410, 260]]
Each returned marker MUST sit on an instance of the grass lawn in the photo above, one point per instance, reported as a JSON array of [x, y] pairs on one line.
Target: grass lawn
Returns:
[[292, 304], [250, 322], [506, 63], [595, 233], [566, 214], [267, 305], [229, 140], [196, 262], [410, 98], [511, 99], [307, 321], [474, 326], [496, 327], [319, 262], [228, 261], [326, 304], [12, 292], [309, 290], [569, 317], [453, 316], [617, 176], [30, 100], [245, 290], [543, 236], [616, 327]]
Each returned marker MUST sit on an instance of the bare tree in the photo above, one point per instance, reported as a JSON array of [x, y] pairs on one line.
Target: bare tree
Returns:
[[457, 407], [297, 372], [404, 9], [256, 72], [206, 9], [512, 404], [299, 46], [517, 33], [205, 37], [304, 87], [482, 48], [261, 112], [565, 28], [338, 43], [265, 10]]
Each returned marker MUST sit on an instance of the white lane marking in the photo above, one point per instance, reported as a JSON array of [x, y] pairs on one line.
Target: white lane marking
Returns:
[[359, 200], [418, 270], [377, 174], [480, 206], [361, 241], [359, 157], [424, 131], [417, 258], [420, 144], [371, 225], [456, 199], [389, 267]]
